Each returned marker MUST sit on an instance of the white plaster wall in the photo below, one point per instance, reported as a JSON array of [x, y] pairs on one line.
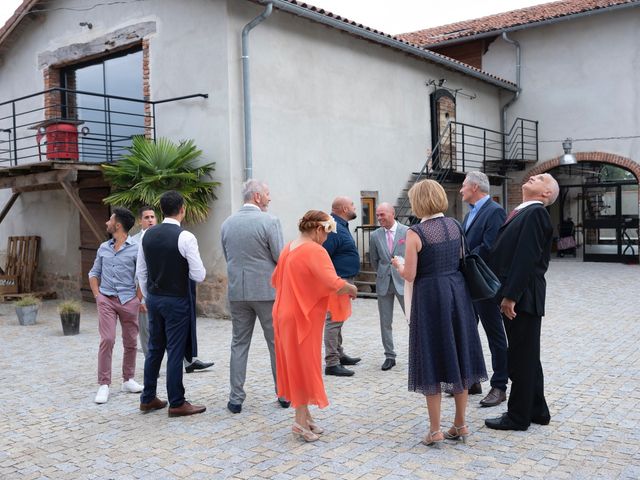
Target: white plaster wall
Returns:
[[334, 114], [579, 79]]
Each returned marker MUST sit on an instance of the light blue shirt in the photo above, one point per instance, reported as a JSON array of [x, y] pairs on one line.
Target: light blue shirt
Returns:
[[116, 270], [473, 211]]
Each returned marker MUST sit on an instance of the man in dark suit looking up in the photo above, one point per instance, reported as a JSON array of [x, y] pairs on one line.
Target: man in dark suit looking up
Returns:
[[520, 258], [168, 261], [481, 226]]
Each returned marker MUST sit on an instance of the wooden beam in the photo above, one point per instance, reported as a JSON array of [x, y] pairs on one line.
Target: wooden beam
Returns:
[[35, 179], [77, 201], [8, 206], [38, 188]]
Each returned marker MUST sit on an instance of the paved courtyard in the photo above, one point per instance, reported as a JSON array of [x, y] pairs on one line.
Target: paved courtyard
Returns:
[[50, 427]]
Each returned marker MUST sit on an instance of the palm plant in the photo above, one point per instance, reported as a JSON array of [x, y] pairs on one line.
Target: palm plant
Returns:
[[151, 168]]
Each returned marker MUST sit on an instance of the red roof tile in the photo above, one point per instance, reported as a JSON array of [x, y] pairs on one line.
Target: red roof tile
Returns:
[[502, 21]]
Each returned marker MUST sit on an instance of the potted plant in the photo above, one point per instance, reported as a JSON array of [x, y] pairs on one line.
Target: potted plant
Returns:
[[27, 310], [69, 311]]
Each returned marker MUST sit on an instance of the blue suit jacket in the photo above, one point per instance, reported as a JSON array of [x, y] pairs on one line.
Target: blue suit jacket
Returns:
[[484, 228]]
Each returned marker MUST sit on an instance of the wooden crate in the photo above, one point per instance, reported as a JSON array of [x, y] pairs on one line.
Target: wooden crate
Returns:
[[22, 260], [8, 284]]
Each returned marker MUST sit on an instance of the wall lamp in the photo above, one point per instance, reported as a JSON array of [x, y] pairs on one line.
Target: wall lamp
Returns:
[[568, 158]]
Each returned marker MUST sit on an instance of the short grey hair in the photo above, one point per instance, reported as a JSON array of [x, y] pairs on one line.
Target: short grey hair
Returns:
[[479, 179], [251, 187]]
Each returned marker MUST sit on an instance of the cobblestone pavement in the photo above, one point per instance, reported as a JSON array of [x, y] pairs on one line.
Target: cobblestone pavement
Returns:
[[50, 427]]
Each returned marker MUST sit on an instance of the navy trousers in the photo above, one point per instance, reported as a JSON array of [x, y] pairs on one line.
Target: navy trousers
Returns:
[[491, 319], [170, 330]]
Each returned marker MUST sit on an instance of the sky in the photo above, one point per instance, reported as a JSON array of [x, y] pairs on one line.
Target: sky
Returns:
[[389, 16]]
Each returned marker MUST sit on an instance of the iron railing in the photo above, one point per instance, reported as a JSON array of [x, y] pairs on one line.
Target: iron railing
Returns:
[[363, 237], [469, 147], [64, 124], [463, 148]]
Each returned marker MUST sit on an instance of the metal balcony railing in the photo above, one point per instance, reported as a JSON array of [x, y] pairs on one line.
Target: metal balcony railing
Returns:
[[462, 148], [465, 147], [60, 124]]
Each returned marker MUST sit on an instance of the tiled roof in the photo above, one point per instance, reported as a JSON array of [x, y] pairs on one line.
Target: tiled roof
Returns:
[[13, 21], [504, 21]]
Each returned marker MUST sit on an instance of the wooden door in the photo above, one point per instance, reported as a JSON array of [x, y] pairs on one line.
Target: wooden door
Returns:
[[91, 191]]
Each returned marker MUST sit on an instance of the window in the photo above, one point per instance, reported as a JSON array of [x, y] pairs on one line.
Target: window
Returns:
[[110, 122], [368, 210]]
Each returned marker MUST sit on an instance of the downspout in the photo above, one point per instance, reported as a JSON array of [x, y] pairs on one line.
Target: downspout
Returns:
[[248, 159], [503, 116]]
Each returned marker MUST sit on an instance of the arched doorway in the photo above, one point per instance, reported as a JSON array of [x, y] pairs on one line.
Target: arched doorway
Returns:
[[598, 207]]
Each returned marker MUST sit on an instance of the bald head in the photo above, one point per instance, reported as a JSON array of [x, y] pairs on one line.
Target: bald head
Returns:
[[385, 213], [541, 187], [344, 208]]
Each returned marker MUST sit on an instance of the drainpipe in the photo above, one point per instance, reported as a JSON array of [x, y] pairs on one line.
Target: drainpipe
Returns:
[[248, 159], [503, 116]]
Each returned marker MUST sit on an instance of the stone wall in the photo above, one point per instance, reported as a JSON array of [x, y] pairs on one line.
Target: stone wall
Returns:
[[212, 297], [67, 287]]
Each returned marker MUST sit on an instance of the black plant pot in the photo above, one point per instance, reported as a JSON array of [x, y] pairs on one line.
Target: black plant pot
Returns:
[[70, 323]]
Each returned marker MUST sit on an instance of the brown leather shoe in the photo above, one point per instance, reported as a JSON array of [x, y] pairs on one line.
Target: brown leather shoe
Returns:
[[493, 398], [186, 409], [155, 404]]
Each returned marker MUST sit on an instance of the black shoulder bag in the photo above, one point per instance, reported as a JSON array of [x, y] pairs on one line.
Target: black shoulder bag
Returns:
[[482, 282]]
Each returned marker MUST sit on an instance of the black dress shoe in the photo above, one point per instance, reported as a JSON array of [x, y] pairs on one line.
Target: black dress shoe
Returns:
[[338, 371], [347, 360], [542, 420], [197, 365], [475, 389], [388, 364], [283, 403], [503, 422], [234, 407]]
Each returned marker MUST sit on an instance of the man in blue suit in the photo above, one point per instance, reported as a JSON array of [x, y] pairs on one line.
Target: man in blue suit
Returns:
[[481, 227]]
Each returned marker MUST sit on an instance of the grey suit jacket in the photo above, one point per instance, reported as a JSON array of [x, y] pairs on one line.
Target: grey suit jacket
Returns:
[[251, 242], [381, 258]]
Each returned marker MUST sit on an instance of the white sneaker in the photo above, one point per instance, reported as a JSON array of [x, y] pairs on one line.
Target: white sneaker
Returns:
[[131, 386], [103, 394]]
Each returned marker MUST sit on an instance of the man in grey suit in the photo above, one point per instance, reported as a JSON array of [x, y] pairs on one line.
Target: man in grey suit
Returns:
[[251, 242], [386, 242]]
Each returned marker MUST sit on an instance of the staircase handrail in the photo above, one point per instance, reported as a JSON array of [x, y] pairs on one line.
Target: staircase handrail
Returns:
[[443, 170]]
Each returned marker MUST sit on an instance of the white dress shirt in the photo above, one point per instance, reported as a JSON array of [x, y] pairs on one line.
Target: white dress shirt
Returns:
[[188, 248], [526, 204]]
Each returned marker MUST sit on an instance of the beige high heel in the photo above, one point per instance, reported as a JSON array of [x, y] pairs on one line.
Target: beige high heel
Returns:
[[317, 429], [431, 441], [459, 433], [305, 434]]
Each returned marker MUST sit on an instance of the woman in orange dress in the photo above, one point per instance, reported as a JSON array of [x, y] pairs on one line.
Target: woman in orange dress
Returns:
[[305, 281]]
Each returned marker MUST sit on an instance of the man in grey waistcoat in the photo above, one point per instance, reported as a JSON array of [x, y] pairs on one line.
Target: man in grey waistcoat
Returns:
[[251, 242], [386, 242]]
